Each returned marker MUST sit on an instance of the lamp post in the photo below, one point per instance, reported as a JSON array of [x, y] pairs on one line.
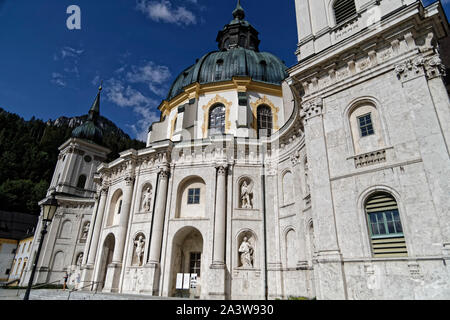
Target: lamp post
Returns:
[[48, 211]]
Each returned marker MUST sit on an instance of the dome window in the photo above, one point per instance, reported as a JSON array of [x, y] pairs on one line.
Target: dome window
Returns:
[[242, 41], [219, 69], [263, 65]]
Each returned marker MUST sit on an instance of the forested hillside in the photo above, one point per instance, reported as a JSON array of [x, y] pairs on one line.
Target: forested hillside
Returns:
[[29, 151]]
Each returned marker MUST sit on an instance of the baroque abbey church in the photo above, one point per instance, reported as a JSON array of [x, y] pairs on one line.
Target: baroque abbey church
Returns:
[[328, 179]]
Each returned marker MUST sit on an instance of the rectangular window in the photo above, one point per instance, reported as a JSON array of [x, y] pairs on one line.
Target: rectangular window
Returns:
[[195, 263], [8, 271], [385, 224], [365, 125], [194, 196]]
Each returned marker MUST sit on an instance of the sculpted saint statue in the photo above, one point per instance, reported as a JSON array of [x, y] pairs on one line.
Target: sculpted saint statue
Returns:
[[246, 251], [80, 260], [308, 190], [85, 231], [246, 193], [147, 199], [140, 244]]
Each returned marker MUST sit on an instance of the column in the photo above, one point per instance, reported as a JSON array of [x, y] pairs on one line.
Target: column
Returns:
[[217, 272], [92, 244], [329, 259], [220, 220], [123, 222], [115, 267], [151, 284]]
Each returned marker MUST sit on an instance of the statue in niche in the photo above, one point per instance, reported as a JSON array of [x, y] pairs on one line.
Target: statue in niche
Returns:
[[85, 233], [139, 249], [308, 190], [80, 260], [246, 195], [246, 251], [146, 200]]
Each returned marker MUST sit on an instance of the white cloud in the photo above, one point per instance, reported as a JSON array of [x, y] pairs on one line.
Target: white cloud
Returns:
[[68, 59], [154, 76], [125, 96], [58, 79], [164, 11]]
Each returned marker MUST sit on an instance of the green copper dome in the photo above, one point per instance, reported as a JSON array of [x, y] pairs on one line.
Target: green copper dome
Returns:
[[238, 56], [89, 130], [224, 65]]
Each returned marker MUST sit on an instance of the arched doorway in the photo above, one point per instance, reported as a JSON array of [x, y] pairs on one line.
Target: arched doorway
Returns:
[[187, 255], [105, 260]]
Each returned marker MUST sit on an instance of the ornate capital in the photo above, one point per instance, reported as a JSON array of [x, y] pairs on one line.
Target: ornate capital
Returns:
[[129, 181], [431, 67], [312, 108], [222, 170], [434, 67], [410, 68], [295, 157], [164, 172]]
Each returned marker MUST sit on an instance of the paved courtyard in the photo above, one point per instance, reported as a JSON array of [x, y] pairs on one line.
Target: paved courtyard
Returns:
[[47, 294]]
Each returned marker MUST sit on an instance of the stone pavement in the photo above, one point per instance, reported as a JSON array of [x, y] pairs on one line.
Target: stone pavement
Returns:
[[47, 294]]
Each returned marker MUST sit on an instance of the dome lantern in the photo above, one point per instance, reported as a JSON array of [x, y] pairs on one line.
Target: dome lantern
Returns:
[[90, 130]]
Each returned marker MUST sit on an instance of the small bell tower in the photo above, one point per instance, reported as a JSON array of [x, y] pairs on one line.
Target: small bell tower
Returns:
[[80, 157]]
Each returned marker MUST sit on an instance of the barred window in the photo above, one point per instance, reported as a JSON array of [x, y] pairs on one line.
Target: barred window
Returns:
[[343, 10], [265, 121], [385, 227], [217, 119]]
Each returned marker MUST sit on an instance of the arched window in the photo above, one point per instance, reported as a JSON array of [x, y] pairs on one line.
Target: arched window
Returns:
[[343, 10], [217, 119], [366, 127], [265, 121], [81, 182], [385, 227]]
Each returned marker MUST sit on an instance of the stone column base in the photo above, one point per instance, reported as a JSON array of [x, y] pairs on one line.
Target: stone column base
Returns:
[[151, 278], [274, 281], [330, 278], [86, 276], [216, 282], [112, 277]]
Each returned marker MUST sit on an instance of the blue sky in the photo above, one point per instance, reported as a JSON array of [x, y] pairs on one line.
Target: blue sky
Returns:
[[137, 47]]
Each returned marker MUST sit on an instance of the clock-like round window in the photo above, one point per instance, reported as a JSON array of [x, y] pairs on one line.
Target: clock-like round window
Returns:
[[87, 159]]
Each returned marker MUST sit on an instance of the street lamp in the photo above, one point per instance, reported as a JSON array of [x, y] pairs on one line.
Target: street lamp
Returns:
[[48, 212]]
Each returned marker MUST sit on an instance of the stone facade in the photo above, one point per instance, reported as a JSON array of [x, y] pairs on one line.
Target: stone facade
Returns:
[[285, 215]]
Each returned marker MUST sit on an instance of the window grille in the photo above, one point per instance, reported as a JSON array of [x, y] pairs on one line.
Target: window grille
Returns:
[[343, 10], [385, 227]]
